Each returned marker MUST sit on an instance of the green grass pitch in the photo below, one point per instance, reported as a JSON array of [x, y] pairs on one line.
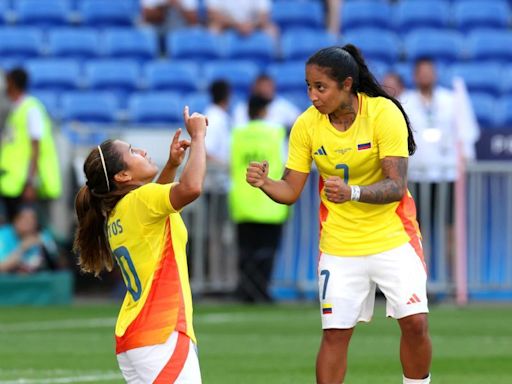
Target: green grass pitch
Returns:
[[261, 344]]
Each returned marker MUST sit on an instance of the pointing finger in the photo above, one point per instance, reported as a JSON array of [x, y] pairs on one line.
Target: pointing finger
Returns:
[[186, 115]]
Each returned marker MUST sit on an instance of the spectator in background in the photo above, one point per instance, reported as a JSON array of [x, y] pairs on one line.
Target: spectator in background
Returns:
[[259, 220], [29, 167], [393, 84], [170, 13], [23, 247], [4, 111], [219, 123], [280, 111], [432, 113], [244, 16], [333, 16], [165, 15], [446, 132]]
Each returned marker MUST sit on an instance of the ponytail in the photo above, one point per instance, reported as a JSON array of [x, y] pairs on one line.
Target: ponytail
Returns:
[[348, 61], [93, 204], [91, 241]]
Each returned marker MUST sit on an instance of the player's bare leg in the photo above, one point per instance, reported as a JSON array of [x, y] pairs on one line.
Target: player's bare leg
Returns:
[[331, 363], [415, 346]]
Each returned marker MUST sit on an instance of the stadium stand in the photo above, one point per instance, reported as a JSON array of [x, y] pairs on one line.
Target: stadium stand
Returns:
[[90, 107], [194, 43], [100, 13], [485, 109], [258, 47], [55, 75], [137, 44], [440, 44], [481, 14], [492, 45], [377, 44], [44, 13], [19, 43], [365, 13], [240, 73], [480, 77], [181, 76], [79, 43], [411, 15], [288, 76], [120, 76], [158, 108], [293, 14], [310, 41]]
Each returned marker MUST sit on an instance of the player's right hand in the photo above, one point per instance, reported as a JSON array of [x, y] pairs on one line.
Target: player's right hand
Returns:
[[195, 124], [257, 173]]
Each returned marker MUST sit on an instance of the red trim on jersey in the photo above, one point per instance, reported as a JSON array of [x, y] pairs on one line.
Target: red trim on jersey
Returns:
[[406, 210], [324, 212], [176, 363], [164, 309]]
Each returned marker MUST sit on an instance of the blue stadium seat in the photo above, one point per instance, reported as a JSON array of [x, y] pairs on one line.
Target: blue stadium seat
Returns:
[[239, 73], [422, 14], [20, 43], [440, 45], [197, 101], [5, 10], [50, 100], [289, 76], [156, 108], [180, 76], [299, 45], [490, 45], [79, 43], [506, 80], [121, 76], [485, 109], [140, 44], [365, 13], [101, 13], [406, 72], [293, 14], [258, 47], [378, 68], [89, 107], [53, 74], [375, 44], [505, 112], [299, 99], [480, 77], [481, 13], [193, 43], [42, 13]]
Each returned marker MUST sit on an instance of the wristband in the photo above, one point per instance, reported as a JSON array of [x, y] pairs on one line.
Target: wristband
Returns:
[[355, 192]]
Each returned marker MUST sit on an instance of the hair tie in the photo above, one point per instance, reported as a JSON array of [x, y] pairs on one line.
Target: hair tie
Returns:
[[104, 167]]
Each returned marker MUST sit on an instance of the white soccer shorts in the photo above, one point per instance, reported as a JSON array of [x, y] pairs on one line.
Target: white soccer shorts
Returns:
[[347, 286], [175, 361]]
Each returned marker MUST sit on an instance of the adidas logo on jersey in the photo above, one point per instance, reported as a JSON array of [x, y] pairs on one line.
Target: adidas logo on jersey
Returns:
[[321, 151]]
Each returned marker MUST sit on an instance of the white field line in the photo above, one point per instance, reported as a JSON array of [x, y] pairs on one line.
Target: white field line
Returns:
[[108, 376], [109, 322]]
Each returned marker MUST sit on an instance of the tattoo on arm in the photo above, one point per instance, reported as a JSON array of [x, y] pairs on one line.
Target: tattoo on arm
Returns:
[[394, 185]]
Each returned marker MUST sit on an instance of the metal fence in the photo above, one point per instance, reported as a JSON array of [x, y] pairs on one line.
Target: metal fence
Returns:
[[487, 226]]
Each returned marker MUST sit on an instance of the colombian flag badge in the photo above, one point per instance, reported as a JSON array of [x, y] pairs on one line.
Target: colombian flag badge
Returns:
[[326, 309]]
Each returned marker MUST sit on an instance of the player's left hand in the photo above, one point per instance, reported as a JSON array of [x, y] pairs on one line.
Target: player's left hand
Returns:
[[336, 190], [178, 149]]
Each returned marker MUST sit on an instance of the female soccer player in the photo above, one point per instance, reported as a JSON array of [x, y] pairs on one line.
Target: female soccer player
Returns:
[[360, 139], [123, 215]]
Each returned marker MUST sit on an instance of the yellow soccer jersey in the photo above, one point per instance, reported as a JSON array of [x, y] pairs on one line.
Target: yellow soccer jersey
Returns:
[[148, 239], [379, 130]]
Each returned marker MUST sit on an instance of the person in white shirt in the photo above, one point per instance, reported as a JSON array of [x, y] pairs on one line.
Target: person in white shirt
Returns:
[[155, 12], [431, 110], [280, 111], [244, 16], [219, 123]]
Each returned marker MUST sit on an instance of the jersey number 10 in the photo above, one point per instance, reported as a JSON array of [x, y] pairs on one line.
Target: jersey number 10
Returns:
[[128, 271]]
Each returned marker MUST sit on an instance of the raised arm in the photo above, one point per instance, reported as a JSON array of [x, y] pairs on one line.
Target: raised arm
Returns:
[[284, 191], [191, 180]]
